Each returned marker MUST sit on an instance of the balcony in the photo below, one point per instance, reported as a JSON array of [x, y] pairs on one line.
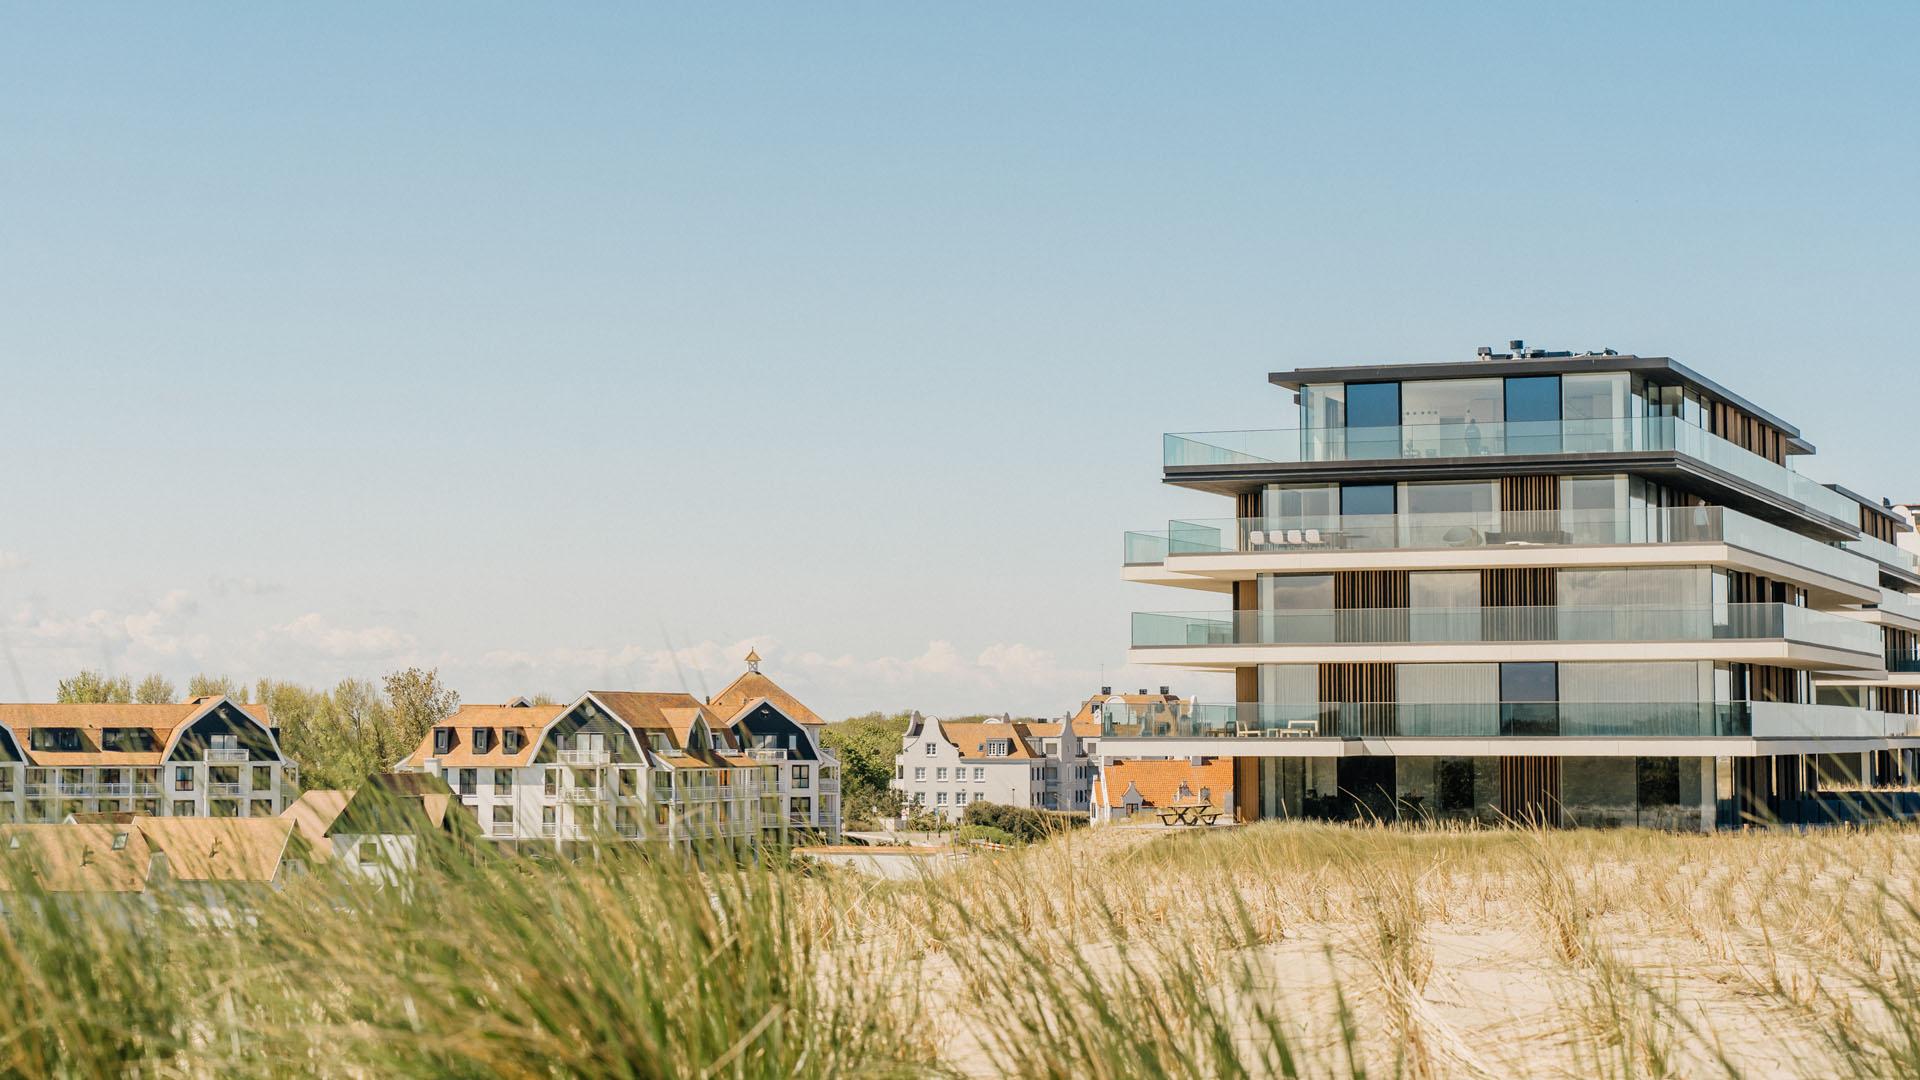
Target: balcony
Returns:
[[549, 829], [1649, 434], [584, 757], [1367, 720], [627, 832], [114, 791], [1375, 626], [225, 757], [1891, 556], [1903, 663], [499, 830], [579, 795], [769, 755], [146, 791], [1497, 531], [225, 791]]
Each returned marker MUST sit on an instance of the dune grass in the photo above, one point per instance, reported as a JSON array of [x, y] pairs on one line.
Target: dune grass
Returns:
[[1295, 950]]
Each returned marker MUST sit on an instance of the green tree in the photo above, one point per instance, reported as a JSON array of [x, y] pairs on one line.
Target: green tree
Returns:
[[204, 685], [154, 690], [419, 702], [91, 687], [866, 746]]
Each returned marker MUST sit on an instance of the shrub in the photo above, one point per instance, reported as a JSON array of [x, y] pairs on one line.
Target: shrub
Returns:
[[1026, 826]]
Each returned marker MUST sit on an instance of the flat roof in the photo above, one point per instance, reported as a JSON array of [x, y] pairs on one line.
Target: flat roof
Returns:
[[1541, 365]]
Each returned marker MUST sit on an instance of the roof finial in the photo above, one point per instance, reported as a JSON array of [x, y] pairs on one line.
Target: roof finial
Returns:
[[753, 661]]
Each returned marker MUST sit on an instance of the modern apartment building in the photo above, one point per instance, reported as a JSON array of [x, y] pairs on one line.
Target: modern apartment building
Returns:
[[945, 765], [620, 765], [1583, 588], [208, 757]]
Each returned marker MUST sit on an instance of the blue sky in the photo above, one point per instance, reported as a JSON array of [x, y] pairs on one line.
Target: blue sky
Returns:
[[583, 346]]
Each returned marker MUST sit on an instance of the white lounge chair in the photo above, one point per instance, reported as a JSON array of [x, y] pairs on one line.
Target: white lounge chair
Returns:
[[1313, 537], [1256, 538], [1294, 537]]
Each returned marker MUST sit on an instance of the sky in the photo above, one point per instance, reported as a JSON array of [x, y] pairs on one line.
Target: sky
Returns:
[[589, 346]]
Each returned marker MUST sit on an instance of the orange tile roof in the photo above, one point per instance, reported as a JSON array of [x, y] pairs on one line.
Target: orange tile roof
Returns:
[[1158, 782], [753, 686], [92, 719], [77, 858], [527, 719], [1086, 722], [313, 814], [971, 738], [239, 849]]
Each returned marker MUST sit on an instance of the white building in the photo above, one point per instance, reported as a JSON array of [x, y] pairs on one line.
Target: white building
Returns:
[[946, 765], [637, 766], [208, 757]]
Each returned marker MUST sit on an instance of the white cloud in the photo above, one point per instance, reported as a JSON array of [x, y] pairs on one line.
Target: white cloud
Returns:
[[316, 633], [13, 560]]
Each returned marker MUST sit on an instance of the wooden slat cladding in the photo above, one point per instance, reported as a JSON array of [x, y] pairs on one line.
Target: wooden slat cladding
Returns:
[[1246, 789], [1247, 504], [1745, 430], [1528, 586], [1748, 588], [1246, 684], [1878, 525], [1530, 790], [1369, 684], [1370, 589], [1529, 493], [1246, 596], [1768, 683]]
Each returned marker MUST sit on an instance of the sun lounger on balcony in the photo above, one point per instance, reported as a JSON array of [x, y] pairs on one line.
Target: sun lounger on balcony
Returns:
[[1294, 537], [1256, 538], [1313, 537]]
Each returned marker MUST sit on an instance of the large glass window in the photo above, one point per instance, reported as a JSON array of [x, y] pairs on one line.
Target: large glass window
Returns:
[[1373, 420], [1311, 506], [1296, 607], [1593, 509], [1673, 588], [1594, 411], [1447, 699], [1445, 605], [1528, 693], [1470, 501], [1533, 414], [1452, 401], [1366, 499]]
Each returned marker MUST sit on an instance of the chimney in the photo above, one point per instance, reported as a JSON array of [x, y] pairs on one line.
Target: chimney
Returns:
[[1106, 691], [1166, 692]]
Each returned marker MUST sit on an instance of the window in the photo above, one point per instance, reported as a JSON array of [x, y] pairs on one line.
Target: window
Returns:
[[547, 816], [183, 808], [1528, 693], [262, 777], [503, 815], [6, 781], [260, 808], [919, 772], [932, 749], [227, 741], [1366, 499], [1455, 784], [510, 740], [629, 783], [1373, 405], [482, 740], [979, 773], [183, 778], [940, 799], [502, 782], [1452, 417], [469, 781], [66, 740], [959, 798], [940, 773], [1310, 506], [1533, 414], [551, 785], [442, 740], [803, 776]]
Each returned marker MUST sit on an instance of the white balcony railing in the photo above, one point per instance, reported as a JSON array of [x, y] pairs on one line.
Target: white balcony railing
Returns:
[[114, 791], [627, 832], [219, 791], [579, 795], [583, 757], [770, 754], [549, 830], [225, 757], [500, 830], [146, 790]]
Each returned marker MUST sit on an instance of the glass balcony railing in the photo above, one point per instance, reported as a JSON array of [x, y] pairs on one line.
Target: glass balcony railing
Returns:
[[1356, 720], [1504, 624], [1498, 529], [1458, 440], [1903, 663], [1888, 554]]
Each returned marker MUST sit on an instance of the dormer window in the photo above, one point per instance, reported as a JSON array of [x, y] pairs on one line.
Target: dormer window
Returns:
[[999, 747], [482, 740], [65, 740], [510, 740], [442, 740]]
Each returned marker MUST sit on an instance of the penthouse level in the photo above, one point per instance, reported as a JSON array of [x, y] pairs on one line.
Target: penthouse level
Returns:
[[1544, 563]]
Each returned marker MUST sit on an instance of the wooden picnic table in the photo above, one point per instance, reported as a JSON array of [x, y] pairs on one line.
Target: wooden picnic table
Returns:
[[1188, 814]]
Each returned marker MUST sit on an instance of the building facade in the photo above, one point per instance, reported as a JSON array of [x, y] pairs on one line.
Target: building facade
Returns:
[[1584, 588], [627, 766], [945, 766], [208, 757]]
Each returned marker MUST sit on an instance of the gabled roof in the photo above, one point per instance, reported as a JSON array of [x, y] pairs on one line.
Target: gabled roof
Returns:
[[971, 739], [247, 850], [655, 711], [313, 813], [1158, 782], [93, 718], [399, 804], [77, 858], [752, 685], [1086, 721], [529, 720]]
